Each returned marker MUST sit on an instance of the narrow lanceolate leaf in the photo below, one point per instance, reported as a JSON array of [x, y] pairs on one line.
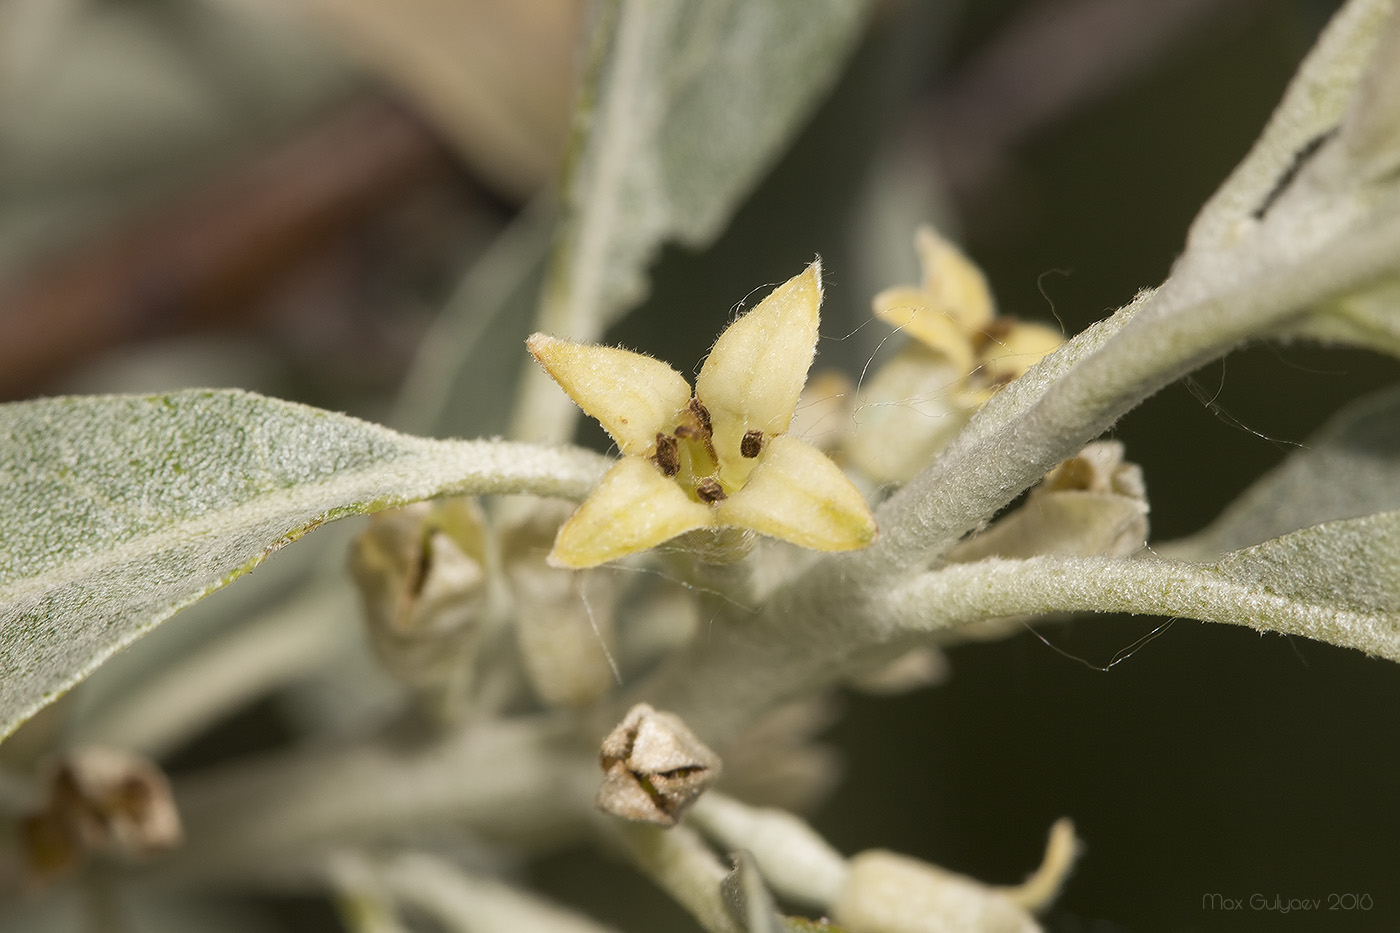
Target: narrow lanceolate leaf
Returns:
[[1313, 107], [687, 105], [1337, 582], [118, 511], [693, 102], [1348, 469]]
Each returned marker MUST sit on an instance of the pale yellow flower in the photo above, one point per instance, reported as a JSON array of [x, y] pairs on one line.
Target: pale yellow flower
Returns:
[[961, 354], [718, 459]]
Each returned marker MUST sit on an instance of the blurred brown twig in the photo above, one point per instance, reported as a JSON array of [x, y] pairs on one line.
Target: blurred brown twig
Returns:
[[208, 256]]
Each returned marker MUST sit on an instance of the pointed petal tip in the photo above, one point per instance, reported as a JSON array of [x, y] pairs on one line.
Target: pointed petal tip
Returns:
[[954, 283], [811, 277], [542, 345], [632, 395], [927, 238], [858, 533], [755, 372]]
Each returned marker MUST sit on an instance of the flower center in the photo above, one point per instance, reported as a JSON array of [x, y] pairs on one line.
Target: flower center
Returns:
[[688, 456]]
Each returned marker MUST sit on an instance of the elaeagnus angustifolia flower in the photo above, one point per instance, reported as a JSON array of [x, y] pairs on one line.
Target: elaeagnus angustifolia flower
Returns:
[[961, 353], [713, 460]]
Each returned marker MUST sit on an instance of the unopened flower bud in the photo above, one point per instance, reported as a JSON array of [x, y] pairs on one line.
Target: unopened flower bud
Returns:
[[422, 572], [1093, 504]]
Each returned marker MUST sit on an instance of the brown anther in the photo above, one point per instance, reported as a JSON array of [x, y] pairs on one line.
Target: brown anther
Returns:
[[702, 415], [995, 332], [667, 456], [752, 443], [684, 430], [709, 490]]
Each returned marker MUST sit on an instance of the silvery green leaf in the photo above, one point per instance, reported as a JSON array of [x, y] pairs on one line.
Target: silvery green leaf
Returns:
[[1260, 261], [1368, 153], [691, 104], [685, 107], [1348, 469], [121, 510], [182, 678], [1371, 130], [1315, 103], [1337, 582], [1325, 164]]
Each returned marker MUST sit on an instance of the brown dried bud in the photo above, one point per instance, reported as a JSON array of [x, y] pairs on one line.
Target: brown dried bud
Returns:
[[100, 800], [654, 767]]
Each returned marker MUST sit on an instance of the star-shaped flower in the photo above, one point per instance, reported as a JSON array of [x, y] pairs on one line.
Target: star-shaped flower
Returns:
[[718, 459], [962, 353], [952, 313]]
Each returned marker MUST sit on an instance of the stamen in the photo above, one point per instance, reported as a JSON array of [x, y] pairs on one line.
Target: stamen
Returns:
[[667, 455], [709, 490], [702, 414]]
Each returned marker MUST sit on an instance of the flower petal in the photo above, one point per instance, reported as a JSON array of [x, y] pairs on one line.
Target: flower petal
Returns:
[[910, 310], [797, 494], [632, 395], [956, 284], [634, 508], [1022, 346], [754, 374]]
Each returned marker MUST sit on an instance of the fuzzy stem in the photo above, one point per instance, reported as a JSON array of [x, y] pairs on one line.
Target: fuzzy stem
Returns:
[[679, 862]]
